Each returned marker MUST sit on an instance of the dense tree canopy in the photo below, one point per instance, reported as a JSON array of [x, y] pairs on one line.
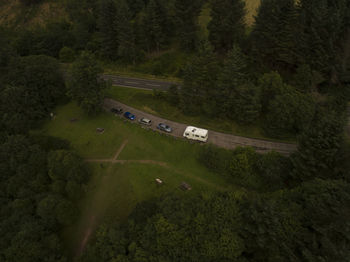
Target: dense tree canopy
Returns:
[[84, 84], [286, 75], [227, 26]]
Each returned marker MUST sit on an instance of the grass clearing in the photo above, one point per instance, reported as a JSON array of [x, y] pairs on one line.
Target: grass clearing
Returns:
[[115, 189], [146, 101]]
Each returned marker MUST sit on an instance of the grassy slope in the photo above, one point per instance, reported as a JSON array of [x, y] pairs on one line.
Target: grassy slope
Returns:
[[252, 6], [144, 100], [13, 13], [115, 189]]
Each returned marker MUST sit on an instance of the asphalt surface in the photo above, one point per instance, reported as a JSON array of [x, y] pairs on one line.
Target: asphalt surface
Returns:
[[220, 139], [138, 82]]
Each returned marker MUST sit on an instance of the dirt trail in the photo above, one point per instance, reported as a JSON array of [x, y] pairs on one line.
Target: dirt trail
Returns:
[[90, 225], [120, 150]]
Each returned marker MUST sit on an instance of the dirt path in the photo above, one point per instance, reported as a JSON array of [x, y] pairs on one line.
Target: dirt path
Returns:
[[220, 139], [92, 223], [120, 150]]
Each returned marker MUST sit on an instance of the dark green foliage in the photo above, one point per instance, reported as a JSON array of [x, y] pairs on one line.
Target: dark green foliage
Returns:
[[227, 26], [198, 94], [31, 2], [154, 25], [35, 86], [173, 95], [244, 166], [108, 29], [48, 143], [273, 169], [290, 112], [271, 84], [126, 39], [304, 79], [46, 40], [232, 75], [308, 223], [186, 16], [319, 146], [32, 214], [66, 55], [275, 32], [215, 159], [246, 105], [7, 52], [323, 27], [84, 85]]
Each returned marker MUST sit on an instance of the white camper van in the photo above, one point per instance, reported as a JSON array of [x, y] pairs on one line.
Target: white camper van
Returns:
[[196, 133]]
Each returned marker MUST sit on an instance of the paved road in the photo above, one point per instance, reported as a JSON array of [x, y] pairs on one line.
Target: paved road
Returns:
[[220, 139], [138, 82]]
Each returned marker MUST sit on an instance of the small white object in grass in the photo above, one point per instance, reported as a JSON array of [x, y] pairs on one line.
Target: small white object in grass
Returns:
[[159, 181]]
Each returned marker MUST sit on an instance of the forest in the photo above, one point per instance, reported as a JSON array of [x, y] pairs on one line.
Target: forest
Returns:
[[289, 70]]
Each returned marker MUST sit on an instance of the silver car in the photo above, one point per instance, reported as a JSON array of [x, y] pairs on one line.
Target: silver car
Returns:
[[164, 127], [145, 121]]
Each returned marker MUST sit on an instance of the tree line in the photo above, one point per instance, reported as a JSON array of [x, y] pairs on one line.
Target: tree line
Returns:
[[42, 178]]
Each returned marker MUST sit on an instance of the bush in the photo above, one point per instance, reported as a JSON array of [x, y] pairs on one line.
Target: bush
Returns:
[[66, 55], [173, 95]]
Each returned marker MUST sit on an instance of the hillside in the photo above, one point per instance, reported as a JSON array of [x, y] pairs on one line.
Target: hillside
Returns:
[[13, 13]]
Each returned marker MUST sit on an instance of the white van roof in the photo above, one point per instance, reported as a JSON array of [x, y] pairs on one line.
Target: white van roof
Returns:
[[197, 131]]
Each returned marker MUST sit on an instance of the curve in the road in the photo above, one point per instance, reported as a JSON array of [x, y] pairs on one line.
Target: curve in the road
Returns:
[[220, 139]]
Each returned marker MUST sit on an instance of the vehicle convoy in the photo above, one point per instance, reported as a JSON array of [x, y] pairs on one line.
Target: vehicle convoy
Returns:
[[196, 133], [164, 127], [129, 116]]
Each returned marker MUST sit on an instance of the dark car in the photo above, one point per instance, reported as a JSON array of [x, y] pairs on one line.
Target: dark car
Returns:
[[117, 110], [130, 116], [164, 127], [145, 121]]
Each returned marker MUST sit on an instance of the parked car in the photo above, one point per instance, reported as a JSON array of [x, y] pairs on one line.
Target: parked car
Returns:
[[145, 121], [164, 127], [130, 116], [117, 110]]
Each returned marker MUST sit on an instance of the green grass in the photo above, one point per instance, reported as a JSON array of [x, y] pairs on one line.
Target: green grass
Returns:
[[146, 101], [203, 20], [115, 189]]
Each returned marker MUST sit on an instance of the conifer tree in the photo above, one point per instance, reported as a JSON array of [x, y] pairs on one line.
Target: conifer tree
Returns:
[[108, 30], [319, 145], [186, 16], [126, 38], [246, 104], [233, 74], [324, 26], [198, 93], [274, 34], [227, 25], [153, 23]]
